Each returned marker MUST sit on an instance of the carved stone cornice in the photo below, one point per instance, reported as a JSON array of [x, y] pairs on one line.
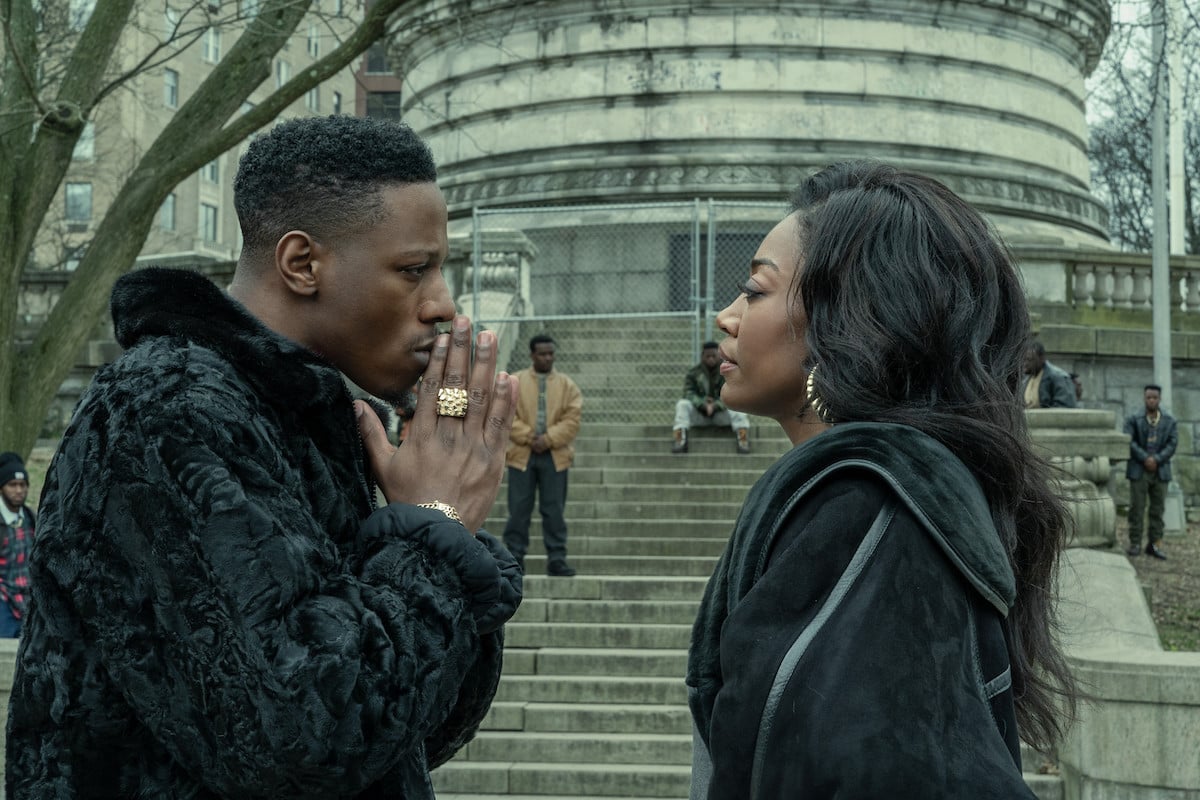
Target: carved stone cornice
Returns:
[[581, 184]]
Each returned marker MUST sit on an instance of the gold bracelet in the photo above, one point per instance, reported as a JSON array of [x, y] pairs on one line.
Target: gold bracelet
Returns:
[[447, 509]]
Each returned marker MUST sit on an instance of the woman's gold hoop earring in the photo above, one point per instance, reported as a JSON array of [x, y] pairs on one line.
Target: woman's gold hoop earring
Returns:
[[814, 399]]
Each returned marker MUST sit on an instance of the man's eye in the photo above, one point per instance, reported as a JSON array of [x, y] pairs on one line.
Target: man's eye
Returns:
[[417, 271]]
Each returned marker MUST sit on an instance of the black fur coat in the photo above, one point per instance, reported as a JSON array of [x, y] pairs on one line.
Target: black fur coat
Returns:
[[218, 611]]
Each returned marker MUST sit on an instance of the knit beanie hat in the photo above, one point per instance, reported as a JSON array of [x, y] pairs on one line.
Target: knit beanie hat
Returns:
[[12, 468]]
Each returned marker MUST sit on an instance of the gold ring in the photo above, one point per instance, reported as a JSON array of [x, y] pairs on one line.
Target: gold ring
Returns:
[[452, 403]]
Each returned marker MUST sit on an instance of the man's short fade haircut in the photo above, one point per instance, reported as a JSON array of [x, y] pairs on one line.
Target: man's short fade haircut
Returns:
[[323, 175], [1036, 346], [1152, 386], [541, 338]]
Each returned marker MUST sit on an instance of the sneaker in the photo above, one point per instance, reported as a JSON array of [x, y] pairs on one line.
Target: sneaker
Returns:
[[559, 568], [1133, 550], [1153, 551], [680, 445]]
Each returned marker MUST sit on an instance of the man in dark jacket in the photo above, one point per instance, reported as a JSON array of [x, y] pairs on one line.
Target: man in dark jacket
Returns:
[[701, 403], [1045, 385], [16, 538], [219, 610], [1152, 441]]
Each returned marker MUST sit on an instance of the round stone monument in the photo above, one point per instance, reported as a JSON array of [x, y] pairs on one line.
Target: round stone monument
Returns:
[[537, 103]]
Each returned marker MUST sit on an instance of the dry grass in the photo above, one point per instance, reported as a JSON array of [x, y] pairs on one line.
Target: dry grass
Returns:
[[1174, 586]]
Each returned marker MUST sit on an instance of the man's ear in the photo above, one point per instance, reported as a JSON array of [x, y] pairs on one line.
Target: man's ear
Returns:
[[296, 262]]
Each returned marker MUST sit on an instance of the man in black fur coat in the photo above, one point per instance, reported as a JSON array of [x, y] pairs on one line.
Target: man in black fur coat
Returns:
[[219, 609]]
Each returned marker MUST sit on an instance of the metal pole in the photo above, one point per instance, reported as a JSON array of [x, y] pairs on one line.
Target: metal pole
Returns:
[[698, 309], [711, 270], [476, 262], [1160, 272], [1176, 156]]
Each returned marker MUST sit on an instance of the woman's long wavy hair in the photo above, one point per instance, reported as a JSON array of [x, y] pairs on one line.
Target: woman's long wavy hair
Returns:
[[916, 315]]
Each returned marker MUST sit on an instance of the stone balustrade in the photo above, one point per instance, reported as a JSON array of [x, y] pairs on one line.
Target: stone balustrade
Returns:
[[1123, 280]]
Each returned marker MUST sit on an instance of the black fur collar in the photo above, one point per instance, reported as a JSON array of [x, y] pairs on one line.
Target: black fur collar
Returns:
[[177, 302]]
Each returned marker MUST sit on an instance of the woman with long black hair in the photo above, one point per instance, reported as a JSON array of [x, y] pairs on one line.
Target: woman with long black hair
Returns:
[[881, 623]]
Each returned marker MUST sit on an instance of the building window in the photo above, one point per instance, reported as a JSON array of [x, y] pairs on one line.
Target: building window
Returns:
[[384, 105], [170, 88], [312, 100], [208, 223], [283, 73], [172, 19], [337, 103], [249, 8], [314, 41], [339, 8], [211, 172], [211, 51], [85, 145], [79, 202], [166, 213], [377, 59]]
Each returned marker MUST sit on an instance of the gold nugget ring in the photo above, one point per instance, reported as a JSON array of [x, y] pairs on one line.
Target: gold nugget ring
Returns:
[[452, 403]]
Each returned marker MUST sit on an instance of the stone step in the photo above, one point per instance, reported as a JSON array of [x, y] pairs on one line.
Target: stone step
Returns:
[[721, 443], [760, 427], [661, 663], [592, 634], [619, 689], [563, 780], [628, 612], [616, 587], [665, 461], [590, 717], [733, 491], [690, 472], [668, 508], [593, 447], [607, 528], [582, 748], [693, 566]]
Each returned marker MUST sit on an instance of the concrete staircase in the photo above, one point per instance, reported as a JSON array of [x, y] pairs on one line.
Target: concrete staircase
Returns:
[[592, 702]]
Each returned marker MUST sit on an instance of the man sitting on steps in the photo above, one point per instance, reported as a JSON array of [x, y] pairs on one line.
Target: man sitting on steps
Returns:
[[701, 403]]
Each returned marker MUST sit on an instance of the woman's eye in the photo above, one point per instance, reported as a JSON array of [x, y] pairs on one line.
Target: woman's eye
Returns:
[[749, 289]]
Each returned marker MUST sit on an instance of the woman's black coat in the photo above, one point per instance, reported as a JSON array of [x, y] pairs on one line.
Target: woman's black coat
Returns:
[[851, 643]]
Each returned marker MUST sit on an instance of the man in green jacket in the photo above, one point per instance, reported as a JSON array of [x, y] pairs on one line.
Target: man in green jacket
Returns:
[[701, 403]]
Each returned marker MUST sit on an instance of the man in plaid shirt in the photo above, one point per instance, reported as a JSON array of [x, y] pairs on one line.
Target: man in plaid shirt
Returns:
[[16, 539]]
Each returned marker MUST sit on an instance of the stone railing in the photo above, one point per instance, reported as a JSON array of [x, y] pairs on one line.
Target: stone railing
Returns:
[[1122, 281], [1083, 444], [1137, 736]]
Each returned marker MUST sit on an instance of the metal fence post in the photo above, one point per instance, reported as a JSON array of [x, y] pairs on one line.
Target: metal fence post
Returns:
[[697, 301], [710, 270], [476, 262]]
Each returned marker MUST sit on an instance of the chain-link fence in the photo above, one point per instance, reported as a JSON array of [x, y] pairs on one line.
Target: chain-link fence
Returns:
[[630, 292]]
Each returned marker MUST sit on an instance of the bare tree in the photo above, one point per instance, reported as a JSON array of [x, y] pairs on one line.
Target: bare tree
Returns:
[[1120, 105], [62, 60]]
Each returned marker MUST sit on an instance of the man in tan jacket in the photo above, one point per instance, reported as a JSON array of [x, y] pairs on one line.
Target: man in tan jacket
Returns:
[[540, 451]]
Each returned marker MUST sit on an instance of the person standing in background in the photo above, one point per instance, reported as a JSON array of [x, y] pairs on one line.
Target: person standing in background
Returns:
[[15, 543], [1152, 440], [540, 451]]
